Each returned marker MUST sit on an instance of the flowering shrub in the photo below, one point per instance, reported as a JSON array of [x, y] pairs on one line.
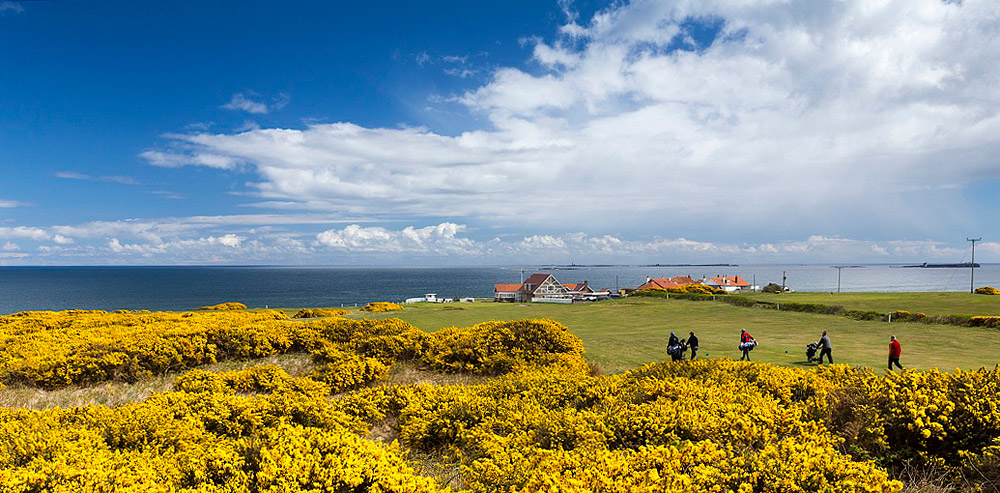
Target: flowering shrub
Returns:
[[696, 288], [319, 312], [55, 349], [985, 321], [542, 423], [202, 441], [499, 347], [988, 290], [344, 370], [381, 306], [229, 306]]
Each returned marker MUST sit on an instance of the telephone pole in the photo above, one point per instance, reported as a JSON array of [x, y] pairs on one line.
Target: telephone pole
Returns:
[[838, 267], [972, 278]]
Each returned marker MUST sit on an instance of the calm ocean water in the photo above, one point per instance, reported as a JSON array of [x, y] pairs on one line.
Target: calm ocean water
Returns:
[[180, 288]]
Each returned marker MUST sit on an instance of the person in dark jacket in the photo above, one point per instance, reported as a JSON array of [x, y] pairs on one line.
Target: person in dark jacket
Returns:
[[895, 349], [825, 348], [693, 344], [675, 348]]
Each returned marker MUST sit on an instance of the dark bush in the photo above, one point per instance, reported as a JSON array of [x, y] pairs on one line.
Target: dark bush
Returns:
[[771, 288]]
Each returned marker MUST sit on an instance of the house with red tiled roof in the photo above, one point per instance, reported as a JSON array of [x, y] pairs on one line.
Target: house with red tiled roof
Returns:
[[506, 292], [728, 283], [546, 289], [542, 288], [579, 288], [583, 292], [657, 284], [682, 280]]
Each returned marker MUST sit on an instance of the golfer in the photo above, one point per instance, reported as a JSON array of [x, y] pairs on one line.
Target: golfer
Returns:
[[894, 351], [745, 344], [692, 343], [825, 348]]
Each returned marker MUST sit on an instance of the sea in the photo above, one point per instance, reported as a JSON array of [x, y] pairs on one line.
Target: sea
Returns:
[[184, 288]]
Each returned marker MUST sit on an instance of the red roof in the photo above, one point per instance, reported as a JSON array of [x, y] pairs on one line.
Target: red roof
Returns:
[[730, 281], [506, 288], [578, 287], [535, 280], [682, 280], [658, 284]]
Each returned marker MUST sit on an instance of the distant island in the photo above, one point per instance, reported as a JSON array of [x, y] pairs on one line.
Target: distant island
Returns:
[[691, 265], [925, 265]]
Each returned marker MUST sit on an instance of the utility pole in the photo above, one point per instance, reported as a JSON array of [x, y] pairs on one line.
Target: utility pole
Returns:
[[838, 267], [972, 278]]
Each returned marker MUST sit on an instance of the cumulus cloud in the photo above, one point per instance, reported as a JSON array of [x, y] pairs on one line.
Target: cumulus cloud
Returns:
[[835, 114], [438, 240], [185, 246], [31, 233], [269, 239]]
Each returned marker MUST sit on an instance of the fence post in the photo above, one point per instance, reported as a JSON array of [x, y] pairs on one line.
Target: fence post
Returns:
[[890, 316]]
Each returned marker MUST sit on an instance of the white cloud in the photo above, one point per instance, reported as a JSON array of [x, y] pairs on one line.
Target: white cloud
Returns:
[[168, 194], [8, 6], [6, 204], [185, 247], [250, 102], [72, 175], [268, 239], [31, 233], [240, 102], [837, 114], [439, 240], [176, 160]]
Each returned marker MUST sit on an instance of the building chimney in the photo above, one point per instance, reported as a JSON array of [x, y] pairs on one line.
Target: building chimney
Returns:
[[648, 279]]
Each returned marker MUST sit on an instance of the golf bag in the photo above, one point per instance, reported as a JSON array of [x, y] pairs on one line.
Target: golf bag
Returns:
[[676, 351], [811, 349], [749, 345]]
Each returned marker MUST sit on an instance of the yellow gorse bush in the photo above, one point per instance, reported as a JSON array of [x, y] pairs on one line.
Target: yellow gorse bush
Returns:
[[381, 306], [319, 312], [695, 288], [541, 423], [228, 306]]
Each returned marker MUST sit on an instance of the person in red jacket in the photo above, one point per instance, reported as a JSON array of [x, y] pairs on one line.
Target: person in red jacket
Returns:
[[747, 343], [894, 351]]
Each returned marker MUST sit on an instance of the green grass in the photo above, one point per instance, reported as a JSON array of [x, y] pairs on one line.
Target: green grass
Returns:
[[928, 303], [620, 335]]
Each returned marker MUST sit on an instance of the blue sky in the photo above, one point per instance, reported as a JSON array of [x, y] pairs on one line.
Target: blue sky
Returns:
[[497, 132]]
